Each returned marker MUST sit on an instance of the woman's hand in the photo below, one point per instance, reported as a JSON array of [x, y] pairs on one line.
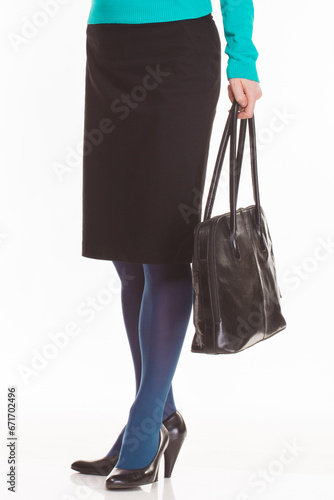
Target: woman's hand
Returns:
[[246, 92]]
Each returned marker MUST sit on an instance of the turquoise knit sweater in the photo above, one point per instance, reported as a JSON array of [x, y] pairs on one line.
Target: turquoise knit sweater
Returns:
[[238, 16]]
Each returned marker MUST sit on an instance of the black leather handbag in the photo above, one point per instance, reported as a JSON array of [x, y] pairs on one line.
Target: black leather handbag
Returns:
[[236, 301]]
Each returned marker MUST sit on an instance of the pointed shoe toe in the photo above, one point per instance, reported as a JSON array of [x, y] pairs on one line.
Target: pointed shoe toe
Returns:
[[101, 467], [130, 478]]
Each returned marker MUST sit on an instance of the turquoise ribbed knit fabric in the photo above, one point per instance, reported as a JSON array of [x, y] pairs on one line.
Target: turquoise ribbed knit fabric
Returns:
[[238, 17]]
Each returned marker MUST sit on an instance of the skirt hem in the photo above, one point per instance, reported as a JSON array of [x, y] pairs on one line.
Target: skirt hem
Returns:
[[106, 255]]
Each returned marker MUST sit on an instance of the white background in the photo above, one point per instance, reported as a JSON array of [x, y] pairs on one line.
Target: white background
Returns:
[[241, 410]]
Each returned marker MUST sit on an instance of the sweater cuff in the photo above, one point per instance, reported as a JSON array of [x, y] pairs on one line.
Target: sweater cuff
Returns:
[[238, 69]]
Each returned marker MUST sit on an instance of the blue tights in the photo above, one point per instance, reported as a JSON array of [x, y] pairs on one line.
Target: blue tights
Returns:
[[156, 305]]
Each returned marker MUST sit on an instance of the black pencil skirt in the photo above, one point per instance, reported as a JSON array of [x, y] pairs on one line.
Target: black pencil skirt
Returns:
[[150, 101]]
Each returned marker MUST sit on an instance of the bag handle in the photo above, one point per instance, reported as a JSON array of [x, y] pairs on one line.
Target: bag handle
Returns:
[[230, 132]]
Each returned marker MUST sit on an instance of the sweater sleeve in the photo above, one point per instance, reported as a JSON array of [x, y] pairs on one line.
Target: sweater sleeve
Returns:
[[238, 17]]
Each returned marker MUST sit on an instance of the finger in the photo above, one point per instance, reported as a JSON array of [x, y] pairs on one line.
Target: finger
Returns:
[[239, 95], [238, 92], [247, 111]]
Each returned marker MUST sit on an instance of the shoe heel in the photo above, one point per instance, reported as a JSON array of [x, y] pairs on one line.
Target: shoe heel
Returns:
[[156, 475], [171, 454]]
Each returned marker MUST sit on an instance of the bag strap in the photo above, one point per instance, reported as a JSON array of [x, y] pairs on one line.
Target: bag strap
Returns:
[[230, 133]]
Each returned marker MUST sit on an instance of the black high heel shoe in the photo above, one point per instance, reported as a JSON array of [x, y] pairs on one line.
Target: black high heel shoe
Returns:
[[177, 432], [130, 478]]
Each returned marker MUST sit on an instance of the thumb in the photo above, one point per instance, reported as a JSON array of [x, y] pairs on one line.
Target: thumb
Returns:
[[241, 99], [239, 94]]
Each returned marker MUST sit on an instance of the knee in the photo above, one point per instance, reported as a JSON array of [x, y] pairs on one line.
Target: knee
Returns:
[[130, 273]]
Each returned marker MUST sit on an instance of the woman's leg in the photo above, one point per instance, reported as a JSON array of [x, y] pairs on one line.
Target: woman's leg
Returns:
[[163, 321], [132, 286]]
